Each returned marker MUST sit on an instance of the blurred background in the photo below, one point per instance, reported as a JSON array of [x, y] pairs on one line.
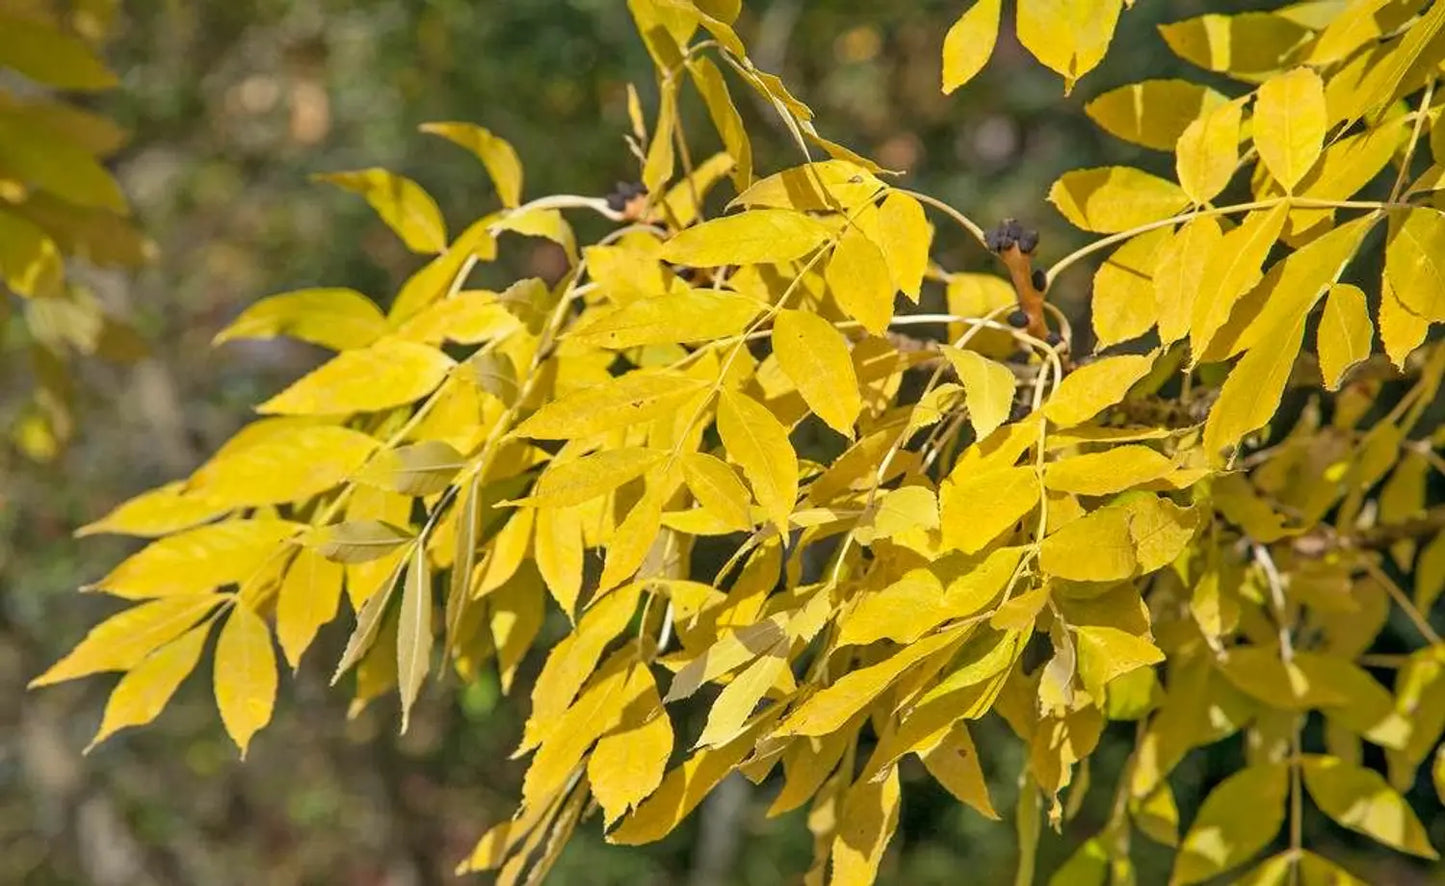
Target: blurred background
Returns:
[[230, 105]]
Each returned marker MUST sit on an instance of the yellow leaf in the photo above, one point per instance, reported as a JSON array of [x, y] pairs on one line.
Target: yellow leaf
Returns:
[[547, 224], [717, 488], [294, 465], [467, 318], [597, 711], [1095, 547], [758, 442], [1347, 166], [1289, 124], [357, 541], [1253, 390], [442, 275], [199, 559], [953, 761], [1413, 262], [725, 118], [572, 661], [1359, 799], [499, 158], [682, 789], [160, 511], [1430, 573], [870, 815], [627, 765], [632, 539], [339, 319], [50, 55], [124, 640], [904, 236], [819, 186], [420, 469], [1383, 81], [1207, 152], [1180, 275], [414, 632], [1069, 36], [1345, 334], [30, 261], [658, 165], [142, 694], [734, 705], [387, 373], [1115, 198], [815, 357], [1289, 290], [578, 480], [1356, 25], [1247, 46], [756, 236], [402, 203], [1094, 386], [979, 505], [245, 679], [1401, 330], [988, 389], [1260, 672], [307, 599], [832, 707], [688, 316], [858, 276], [558, 549], [1123, 305], [969, 43], [1100, 473], [1161, 530], [901, 510], [1106, 653], [1232, 270], [902, 612], [620, 402], [517, 610], [1153, 113], [1239, 817], [732, 649]]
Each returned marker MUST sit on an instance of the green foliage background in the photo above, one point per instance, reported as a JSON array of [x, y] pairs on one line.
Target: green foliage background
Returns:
[[232, 105]]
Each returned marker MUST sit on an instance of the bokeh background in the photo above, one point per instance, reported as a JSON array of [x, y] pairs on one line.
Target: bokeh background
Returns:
[[231, 105]]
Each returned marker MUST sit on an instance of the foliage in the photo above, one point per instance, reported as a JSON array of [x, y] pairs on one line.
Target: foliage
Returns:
[[57, 201], [747, 473]]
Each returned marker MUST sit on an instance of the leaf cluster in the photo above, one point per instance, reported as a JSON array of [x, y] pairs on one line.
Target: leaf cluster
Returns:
[[750, 466]]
